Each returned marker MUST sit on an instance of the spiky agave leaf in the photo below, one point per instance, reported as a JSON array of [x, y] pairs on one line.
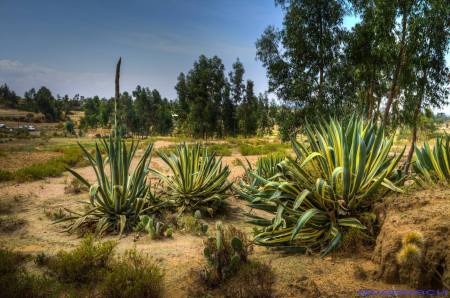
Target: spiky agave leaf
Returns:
[[433, 165], [320, 194], [198, 180], [119, 195]]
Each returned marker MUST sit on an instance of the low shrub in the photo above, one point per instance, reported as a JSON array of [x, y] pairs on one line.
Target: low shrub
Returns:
[[253, 280], [83, 265], [6, 176], [133, 276], [15, 281]]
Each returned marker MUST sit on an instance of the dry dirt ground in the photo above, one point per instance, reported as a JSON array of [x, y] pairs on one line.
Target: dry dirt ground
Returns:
[[297, 275]]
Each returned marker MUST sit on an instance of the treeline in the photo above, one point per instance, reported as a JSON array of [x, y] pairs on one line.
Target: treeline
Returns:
[[142, 112], [390, 66], [41, 101], [210, 103]]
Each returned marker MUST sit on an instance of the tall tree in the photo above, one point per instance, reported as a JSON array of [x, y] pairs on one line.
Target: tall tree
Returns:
[[248, 111], [427, 78], [300, 57], [205, 88]]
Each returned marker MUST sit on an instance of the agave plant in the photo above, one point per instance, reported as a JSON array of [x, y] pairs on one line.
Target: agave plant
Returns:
[[198, 180], [433, 165], [266, 167], [320, 195], [120, 195]]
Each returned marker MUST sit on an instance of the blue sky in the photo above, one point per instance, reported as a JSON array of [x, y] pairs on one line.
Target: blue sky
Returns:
[[72, 46]]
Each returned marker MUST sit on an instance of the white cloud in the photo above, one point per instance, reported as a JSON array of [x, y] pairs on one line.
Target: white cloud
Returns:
[[22, 77]]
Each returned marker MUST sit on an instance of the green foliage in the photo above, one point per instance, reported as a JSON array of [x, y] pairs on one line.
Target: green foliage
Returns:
[[198, 180], [225, 253], [85, 264], [120, 197], [52, 168], [248, 149], [266, 167], [433, 165], [323, 192], [134, 276], [192, 224], [153, 227], [15, 281], [220, 149]]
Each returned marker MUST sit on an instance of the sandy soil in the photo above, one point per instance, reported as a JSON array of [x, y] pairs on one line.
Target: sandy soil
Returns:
[[297, 275]]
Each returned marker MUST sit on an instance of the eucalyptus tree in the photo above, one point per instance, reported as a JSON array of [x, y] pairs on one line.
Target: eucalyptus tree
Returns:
[[301, 56]]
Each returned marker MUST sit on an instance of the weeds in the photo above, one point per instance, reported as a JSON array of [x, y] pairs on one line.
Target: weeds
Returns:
[[85, 264], [10, 224], [133, 275]]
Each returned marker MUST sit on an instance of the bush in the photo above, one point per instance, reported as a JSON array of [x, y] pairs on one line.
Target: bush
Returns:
[[6, 176], [15, 281], [133, 276], [87, 263]]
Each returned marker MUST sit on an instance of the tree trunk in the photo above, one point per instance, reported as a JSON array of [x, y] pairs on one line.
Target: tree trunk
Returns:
[[393, 90], [413, 141], [415, 119]]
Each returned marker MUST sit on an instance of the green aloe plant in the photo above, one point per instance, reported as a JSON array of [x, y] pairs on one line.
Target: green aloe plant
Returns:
[[433, 165], [320, 194], [198, 180], [120, 195]]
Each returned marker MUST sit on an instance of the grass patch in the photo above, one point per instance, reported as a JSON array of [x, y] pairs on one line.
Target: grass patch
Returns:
[[54, 167], [248, 149], [220, 149]]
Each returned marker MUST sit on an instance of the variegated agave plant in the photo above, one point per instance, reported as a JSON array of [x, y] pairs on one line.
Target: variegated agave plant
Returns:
[[120, 195], [198, 179], [433, 165], [319, 195]]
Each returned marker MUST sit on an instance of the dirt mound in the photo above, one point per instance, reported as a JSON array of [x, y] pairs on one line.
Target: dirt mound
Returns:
[[423, 214]]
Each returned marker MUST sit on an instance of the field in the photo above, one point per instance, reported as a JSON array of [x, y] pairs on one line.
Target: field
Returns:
[[30, 204]]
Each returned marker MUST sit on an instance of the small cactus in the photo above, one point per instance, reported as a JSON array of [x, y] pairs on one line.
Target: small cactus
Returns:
[[409, 254], [225, 252], [413, 237], [204, 228], [198, 214]]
